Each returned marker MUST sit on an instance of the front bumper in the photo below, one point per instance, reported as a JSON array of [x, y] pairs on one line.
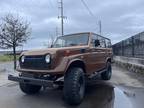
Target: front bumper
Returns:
[[33, 81], [52, 72]]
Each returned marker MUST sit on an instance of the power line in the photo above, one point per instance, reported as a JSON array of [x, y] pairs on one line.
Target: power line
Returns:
[[88, 9], [91, 13]]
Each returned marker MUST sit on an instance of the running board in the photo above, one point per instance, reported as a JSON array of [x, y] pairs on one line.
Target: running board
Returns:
[[96, 73]]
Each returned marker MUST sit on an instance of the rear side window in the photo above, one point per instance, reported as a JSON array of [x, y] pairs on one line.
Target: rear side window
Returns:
[[104, 42], [108, 43]]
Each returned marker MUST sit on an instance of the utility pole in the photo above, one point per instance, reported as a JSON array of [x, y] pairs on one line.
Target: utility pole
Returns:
[[100, 27], [57, 32], [61, 16]]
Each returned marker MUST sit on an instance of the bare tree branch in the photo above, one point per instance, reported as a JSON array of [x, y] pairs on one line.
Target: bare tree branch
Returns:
[[14, 31]]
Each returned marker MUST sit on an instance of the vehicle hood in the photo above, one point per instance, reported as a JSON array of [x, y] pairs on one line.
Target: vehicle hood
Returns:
[[40, 51], [49, 50]]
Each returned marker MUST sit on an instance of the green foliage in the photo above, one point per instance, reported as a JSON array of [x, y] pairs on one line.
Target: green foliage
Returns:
[[6, 58]]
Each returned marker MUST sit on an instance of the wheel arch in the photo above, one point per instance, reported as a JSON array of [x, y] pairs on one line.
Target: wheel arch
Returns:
[[108, 60], [76, 63]]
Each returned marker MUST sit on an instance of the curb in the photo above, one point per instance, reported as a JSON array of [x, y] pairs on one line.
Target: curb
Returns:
[[137, 68]]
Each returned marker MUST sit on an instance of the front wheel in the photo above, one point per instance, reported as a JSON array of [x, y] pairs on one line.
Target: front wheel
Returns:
[[74, 86], [108, 73]]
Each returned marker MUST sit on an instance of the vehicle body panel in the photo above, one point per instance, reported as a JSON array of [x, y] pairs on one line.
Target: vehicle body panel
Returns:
[[94, 58]]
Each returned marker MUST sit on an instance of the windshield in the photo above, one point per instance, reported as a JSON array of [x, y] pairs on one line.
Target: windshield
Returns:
[[71, 40]]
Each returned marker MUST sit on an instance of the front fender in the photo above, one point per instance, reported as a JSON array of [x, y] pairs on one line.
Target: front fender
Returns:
[[72, 61]]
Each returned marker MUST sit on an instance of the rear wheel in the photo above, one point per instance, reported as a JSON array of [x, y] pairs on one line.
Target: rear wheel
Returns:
[[74, 86], [29, 89], [108, 73]]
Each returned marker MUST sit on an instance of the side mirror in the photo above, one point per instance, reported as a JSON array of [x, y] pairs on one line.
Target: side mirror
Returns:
[[97, 43]]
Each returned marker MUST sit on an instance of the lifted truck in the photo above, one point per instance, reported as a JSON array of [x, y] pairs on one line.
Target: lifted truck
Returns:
[[69, 62]]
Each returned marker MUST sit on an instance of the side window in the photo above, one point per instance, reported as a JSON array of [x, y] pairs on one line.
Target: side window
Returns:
[[102, 41], [108, 43], [93, 42], [94, 38]]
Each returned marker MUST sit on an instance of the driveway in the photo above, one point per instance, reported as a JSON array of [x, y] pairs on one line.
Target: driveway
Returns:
[[124, 90]]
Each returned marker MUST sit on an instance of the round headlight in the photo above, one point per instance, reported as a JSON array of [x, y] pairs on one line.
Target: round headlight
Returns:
[[47, 58], [22, 59]]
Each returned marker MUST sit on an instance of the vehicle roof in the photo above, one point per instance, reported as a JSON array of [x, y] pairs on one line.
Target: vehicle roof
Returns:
[[99, 35], [76, 33], [85, 33]]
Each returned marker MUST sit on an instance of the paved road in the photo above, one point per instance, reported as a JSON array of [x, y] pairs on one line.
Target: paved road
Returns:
[[5, 69], [124, 90]]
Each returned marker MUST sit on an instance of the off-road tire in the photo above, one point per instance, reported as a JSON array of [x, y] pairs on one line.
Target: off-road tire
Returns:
[[74, 86], [106, 75], [29, 89]]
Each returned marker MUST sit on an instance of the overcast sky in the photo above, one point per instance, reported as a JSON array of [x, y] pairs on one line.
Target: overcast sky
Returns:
[[120, 18]]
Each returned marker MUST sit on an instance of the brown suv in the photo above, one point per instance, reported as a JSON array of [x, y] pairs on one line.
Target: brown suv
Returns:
[[69, 62]]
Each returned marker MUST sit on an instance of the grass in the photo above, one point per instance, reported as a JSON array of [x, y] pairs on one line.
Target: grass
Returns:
[[6, 58]]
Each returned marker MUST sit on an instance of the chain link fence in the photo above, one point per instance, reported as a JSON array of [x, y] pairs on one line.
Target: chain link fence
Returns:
[[131, 47]]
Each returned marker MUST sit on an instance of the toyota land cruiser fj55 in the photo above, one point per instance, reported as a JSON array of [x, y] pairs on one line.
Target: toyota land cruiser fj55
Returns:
[[69, 62]]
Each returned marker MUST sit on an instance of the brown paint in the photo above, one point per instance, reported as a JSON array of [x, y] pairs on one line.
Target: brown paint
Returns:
[[94, 58]]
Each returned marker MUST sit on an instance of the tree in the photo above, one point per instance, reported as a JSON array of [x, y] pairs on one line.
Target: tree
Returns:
[[51, 39], [14, 31]]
